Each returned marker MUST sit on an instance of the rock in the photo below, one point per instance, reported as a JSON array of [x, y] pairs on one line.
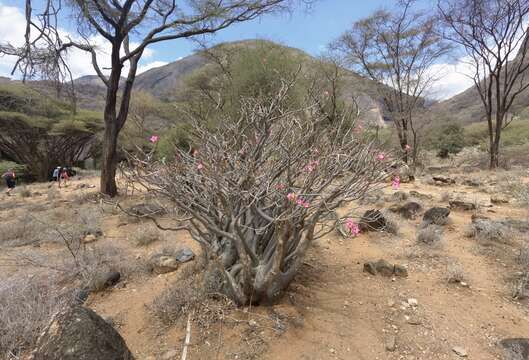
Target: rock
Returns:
[[414, 320], [80, 186], [408, 210], [90, 238], [462, 205], [472, 182], [391, 343], [184, 255], [413, 302], [436, 215], [399, 196], [498, 199], [80, 295], [78, 333], [384, 268], [443, 180], [146, 210], [369, 267], [400, 271], [419, 195], [170, 355], [460, 351], [112, 278], [372, 220], [252, 323], [516, 348], [162, 264]]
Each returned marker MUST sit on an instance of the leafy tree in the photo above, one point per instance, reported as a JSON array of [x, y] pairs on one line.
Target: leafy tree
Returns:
[[121, 23], [42, 133], [494, 36], [396, 48]]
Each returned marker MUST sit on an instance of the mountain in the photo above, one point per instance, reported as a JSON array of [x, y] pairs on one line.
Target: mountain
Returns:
[[165, 82]]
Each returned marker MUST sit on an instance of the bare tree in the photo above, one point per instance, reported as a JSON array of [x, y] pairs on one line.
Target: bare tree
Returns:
[[494, 36], [263, 184], [121, 23], [396, 48]]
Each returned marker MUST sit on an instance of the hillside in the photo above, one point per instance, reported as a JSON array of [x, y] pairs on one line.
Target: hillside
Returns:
[[167, 81]]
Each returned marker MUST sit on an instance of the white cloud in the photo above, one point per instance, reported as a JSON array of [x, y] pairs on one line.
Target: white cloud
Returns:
[[11, 31], [80, 62], [151, 65], [452, 79]]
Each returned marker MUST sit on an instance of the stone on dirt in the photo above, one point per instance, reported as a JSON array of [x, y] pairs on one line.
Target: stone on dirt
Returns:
[[373, 220], [436, 215], [385, 268], [184, 255], [460, 351], [443, 180], [408, 210], [78, 333], [516, 348], [462, 205], [391, 343], [162, 264]]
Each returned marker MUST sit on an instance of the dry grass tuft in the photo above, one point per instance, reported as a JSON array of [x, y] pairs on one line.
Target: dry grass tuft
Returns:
[[26, 306], [455, 272], [145, 234], [430, 235]]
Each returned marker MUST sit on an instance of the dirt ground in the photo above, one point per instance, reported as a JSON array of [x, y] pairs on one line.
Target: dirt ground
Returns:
[[334, 310]]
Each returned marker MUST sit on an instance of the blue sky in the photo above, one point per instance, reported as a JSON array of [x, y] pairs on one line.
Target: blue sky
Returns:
[[310, 31]]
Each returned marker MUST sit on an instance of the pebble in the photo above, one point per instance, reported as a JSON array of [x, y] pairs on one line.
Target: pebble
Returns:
[[462, 352], [391, 343], [413, 302]]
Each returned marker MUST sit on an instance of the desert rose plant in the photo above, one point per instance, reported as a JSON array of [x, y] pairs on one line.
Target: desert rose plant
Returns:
[[261, 187]]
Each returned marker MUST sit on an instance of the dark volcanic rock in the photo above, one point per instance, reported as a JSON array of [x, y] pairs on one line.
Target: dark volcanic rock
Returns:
[[436, 215], [408, 210], [78, 333], [373, 220]]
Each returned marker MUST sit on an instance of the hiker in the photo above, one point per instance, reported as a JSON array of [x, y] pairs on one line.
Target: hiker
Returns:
[[64, 176], [56, 173], [9, 178]]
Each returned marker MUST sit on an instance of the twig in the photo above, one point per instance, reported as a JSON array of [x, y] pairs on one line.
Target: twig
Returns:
[[188, 337]]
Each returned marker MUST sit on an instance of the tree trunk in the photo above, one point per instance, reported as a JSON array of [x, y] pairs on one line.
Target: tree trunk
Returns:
[[112, 127], [109, 161]]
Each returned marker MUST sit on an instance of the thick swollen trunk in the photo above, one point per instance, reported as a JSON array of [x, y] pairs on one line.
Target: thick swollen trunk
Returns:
[[264, 276]]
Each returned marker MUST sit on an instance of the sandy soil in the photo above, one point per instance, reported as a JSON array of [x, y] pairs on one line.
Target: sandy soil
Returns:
[[334, 310]]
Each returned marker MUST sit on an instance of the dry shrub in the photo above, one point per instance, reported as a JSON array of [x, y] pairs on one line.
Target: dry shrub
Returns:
[[392, 223], [430, 235], [198, 290], [25, 192], [26, 306], [21, 231], [488, 231], [52, 194], [445, 196], [455, 272], [523, 256], [145, 234]]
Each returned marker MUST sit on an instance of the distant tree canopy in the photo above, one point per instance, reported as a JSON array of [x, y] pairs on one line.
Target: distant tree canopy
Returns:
[[42, 133], [238, 72]]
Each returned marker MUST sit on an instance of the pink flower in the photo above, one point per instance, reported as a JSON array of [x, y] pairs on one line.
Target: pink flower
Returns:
[[358, 128], [326, 93], [407, 147], [309, 168], [154, 139], [195, 152], [280, 186], [381, 156], [300, 202], [306, 204], [353, 227], [200, 166], [291, 196], [396, 182]]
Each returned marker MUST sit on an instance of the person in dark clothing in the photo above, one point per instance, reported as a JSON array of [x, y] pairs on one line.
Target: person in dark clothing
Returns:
[[10, 178]]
